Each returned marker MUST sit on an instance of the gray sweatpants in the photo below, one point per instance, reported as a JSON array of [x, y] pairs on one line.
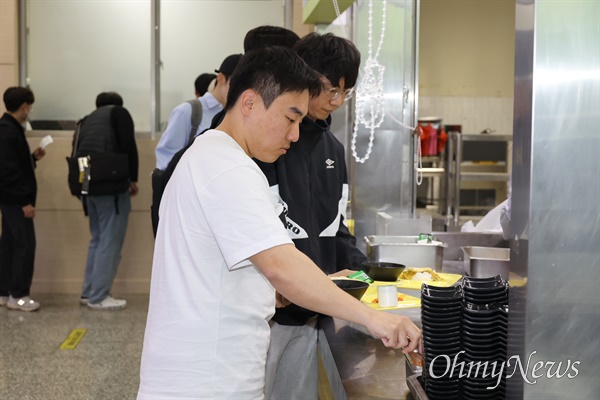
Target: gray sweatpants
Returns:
[[292, 362]]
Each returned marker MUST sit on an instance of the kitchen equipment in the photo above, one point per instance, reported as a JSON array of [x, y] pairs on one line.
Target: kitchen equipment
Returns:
[[483, 262], [354, 288], [402, 223], [405, 250], [383, 271]]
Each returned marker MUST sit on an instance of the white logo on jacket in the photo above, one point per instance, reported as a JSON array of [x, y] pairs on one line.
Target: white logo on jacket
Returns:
[[295, 231], [329, 163]]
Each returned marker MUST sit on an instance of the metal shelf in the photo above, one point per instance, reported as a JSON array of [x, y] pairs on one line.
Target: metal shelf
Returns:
[[455, 174]]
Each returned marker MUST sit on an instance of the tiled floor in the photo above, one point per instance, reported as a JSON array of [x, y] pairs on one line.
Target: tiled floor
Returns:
[[103, 366]]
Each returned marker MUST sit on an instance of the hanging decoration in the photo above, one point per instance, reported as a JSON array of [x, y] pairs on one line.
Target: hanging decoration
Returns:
[[370, 101]]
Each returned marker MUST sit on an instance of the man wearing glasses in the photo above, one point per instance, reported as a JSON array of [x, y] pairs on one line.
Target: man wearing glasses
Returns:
[[311, 183]]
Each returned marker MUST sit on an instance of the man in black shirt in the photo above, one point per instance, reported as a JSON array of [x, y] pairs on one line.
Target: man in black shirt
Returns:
[[311, 182], [18, 191]]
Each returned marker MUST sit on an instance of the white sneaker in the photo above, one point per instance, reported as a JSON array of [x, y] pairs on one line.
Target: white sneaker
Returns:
[[22, 304], [3, 300], [109, 303], [84, 301]]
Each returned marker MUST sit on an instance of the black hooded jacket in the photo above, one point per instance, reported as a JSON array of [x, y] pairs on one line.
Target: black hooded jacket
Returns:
[[311, 182], [18, 185]]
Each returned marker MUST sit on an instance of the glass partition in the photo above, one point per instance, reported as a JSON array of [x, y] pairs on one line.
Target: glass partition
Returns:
[[197, 35], [79, 48]]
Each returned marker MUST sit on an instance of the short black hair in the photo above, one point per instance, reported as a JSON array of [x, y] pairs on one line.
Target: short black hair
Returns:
[[331, 56], [202, 82], [271, 72], [15, 96], [109, 99], [267, 35]]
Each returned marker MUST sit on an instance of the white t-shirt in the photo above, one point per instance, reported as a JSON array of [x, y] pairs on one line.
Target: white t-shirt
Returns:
[[207, 332]]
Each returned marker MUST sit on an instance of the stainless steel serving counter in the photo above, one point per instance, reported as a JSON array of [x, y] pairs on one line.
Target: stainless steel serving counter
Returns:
[[360, 367], [357, 365]]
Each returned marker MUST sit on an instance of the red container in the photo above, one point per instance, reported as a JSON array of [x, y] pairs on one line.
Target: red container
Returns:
[[433, 138]]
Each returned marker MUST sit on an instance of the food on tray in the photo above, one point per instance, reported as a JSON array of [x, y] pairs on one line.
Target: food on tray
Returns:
[[416, 359], [420, 274], [376, 300]]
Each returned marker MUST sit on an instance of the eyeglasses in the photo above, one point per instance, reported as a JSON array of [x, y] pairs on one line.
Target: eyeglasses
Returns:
[[334, 93]]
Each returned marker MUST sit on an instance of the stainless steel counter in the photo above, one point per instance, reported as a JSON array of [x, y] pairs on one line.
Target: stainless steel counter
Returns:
[[359, 366]]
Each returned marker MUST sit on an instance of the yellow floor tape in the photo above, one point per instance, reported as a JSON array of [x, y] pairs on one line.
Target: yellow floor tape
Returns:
[[73, 339]]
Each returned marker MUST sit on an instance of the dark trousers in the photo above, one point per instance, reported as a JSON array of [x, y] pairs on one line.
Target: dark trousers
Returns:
[[157, 191], [17, 252]]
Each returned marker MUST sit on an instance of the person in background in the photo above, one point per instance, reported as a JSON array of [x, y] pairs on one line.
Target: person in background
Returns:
[[179, 128], [222, 250], [202, 83], [18, 191], [257, 38], [109, 129], [311, 183], [267, 35]]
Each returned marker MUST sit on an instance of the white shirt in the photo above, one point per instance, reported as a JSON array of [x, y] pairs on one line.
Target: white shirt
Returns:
[[207, 332], [177, 134]]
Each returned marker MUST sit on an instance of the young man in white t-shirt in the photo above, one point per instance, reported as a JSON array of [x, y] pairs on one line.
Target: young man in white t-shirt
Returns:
[[221, 250]]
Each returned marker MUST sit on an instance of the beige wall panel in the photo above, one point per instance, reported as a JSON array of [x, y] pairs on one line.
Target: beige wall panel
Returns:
[[466, 48], [8, 32], [62, 243], [9, 76], [8, 47]]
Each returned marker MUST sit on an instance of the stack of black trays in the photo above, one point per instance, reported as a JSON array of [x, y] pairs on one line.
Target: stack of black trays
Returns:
[[441, 323], [484, 337], [465, 331]]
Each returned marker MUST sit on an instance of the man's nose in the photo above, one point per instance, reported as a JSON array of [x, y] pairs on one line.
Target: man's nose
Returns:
[[294, 134]]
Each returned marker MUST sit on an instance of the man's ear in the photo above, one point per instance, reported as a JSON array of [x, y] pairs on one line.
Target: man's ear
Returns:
[[221, 79], [248, 101], [24, 108]]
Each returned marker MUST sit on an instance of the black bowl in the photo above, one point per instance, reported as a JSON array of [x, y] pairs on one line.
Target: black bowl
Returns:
[[354, 288], [383, 271]]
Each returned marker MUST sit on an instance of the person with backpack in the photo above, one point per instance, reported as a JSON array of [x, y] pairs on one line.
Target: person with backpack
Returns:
[[186, 121], [18, 191], [104, 135]]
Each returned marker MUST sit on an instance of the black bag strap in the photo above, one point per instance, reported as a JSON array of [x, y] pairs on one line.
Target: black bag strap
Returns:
[[76, 138], [196, 117]]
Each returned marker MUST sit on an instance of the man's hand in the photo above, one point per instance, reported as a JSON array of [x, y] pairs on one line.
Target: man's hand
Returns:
[[396, 331], [28, 211], [133, 189], [39, 153], [281, 301]]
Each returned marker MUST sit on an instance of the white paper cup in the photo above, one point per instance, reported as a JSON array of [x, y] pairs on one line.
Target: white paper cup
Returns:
[[387, 296]]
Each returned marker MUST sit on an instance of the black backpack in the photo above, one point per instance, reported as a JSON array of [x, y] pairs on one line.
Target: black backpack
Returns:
[[161, 178]]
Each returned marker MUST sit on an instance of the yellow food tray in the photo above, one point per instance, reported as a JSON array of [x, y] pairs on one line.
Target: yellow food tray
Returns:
[[407, 301], [447, 281]]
